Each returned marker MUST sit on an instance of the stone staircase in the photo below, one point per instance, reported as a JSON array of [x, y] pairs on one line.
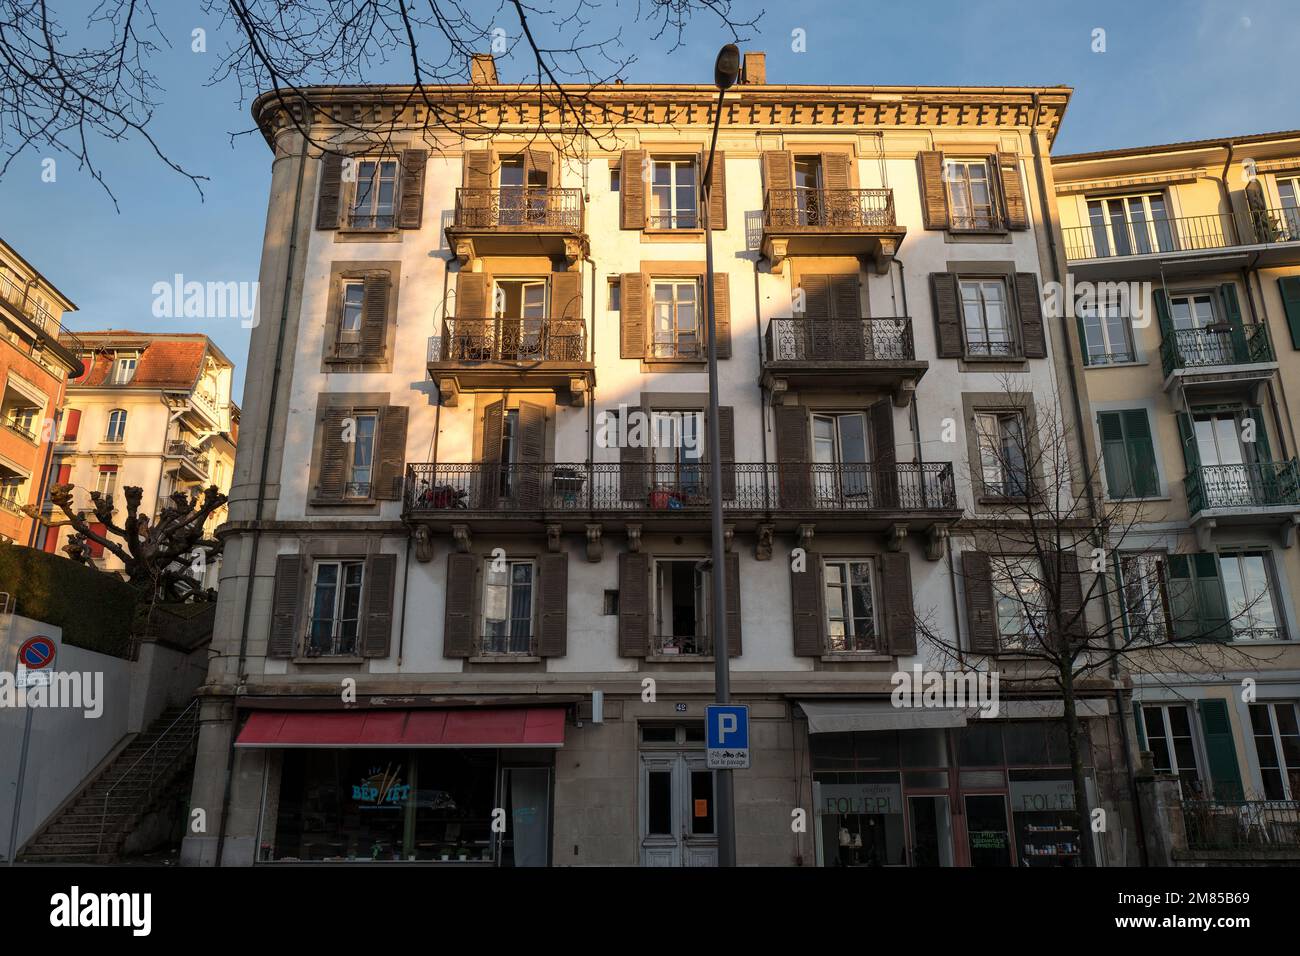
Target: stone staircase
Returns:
[[94, 826]]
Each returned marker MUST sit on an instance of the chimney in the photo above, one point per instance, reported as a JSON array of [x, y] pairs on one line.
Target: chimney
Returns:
[[754, 70], [483, 70]]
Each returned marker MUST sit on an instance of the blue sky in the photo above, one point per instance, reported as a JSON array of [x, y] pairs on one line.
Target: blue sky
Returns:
[[1172, 70]]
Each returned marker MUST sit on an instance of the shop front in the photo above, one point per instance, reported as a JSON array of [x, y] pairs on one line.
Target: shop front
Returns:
[[466, 787]]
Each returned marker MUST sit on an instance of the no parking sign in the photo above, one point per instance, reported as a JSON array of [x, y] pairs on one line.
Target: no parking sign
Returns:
[[36, 661]]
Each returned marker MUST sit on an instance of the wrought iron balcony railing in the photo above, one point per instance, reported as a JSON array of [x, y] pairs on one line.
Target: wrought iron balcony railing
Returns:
[[802, 339], [1251, 485], [1117, 239], [1242, 824], [179, 448], [649, 487], [510, 340], [20, 427], [12, 506], [681, 645], [852, 209], [1216, 345], [19, 297], [1276, 225], [520, 207]]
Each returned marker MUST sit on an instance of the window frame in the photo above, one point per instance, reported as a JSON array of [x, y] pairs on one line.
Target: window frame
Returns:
[[130, 361], [677, 355], [680, 463], [106, 488], [352, 490], [1275, 736], [1002, 565], [1157, 239], [1103, 315], [347, 336], [337, 621], [701, 639], [1008, 348], [508, 637], [1169, 739], [1005, 489], [845, 587], [120, 416], [1279, 630], [974, 222], [18, 483], [1152, 599], [674, 214], [352, 216]]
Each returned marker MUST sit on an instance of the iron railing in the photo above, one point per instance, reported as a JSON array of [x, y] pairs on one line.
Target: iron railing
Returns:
[[802, 339], [179, 448], [519, 207], [1276, 225], [1249, 485], [802, 208], [1215, 345], [1115, 239], [1242, 824], [14, 425], [510, 340], [681, 645], [12, 506], [648, 487], [19, 297]]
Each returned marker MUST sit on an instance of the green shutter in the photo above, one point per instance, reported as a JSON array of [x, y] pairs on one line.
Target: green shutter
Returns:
[[1119, 482], [1141, 453], [1212, 604], [1289, 288], [1162, 313], [1140, 722], [1220, 750], [1182, 598], [1187, 437], [1232, 312], [1262, 450]]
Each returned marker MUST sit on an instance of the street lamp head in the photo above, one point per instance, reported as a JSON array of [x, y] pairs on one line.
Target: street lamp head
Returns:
[[727, 68]]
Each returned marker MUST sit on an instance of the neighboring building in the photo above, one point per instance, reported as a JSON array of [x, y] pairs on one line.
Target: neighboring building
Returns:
[[34, 369], [153, 410], [1192, 412], [444, 522]]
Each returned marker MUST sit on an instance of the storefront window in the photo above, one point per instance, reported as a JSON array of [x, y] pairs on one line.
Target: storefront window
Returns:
[[1047, 823], [862, 820]]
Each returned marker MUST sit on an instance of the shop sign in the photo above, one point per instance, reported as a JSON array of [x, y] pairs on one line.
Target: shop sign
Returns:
[[381, 790], [861, 798], [1039, 795]]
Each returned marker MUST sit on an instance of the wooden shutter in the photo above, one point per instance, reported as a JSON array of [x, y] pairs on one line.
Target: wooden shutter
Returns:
[[380, 583], [934, 192], [478, 169], [633, 604], [1288, 288], [64, 477], [981, 618], [727, 447], [392, 452], [374, 315], [634, 461], [722, 313], [474, 206], [1161, 300], [532, 452], [72, 424], [1187, 438], [632, 316], [792, 456], [896, 599], [732, 562], [1068, 592], [1030, 308], [411, 214], [849, 337], [631, 191], [718, 192], [1261, 451], [1013, 191], [489, 476], [884, 458], [537, 161], [1141, 453], [473, 296], [1220, 751], [286, 599], [806, 593], [458, 623], [835, 173], [553, 606], [1114, 453], [778, 170], [819, 330], [566, 296], [331, 183], [947, 314], [334, 454]]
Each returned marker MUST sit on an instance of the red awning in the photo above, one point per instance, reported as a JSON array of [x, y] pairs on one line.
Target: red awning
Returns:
[[480, 727]]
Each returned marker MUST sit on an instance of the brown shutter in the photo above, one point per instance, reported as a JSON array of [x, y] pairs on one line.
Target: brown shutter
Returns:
[[633, 604], [392, 452], [792, 455], [819, 330], [849, 335], [1030, 308], [896, 595], [478, 169], [718, 193], [934, 193], [1013, 191], [411, 214], [727, 446], [884, 458], [285, 606], [722, 313], [806, 606], [537, 161], [835, 174], [331, 183], [631, 191], [379, 583], [631, 316], [1068, 592], [633, 462], [458, 624], [473, 296], [981, 619], [475, 205], [778, 169], [947, 314], [732, 562], [489, 476], [333, 455], [553, 598], [532, 451], [374, 315], [566, 295]]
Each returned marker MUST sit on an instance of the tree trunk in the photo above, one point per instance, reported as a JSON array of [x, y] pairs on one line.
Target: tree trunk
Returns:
[[1086, 857]]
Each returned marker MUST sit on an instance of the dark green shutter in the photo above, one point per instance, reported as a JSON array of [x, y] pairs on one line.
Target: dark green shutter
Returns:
[[1140, 722], [1212, 604], [1220, 751], [1262, 450], [1232, 312], [1289, 288], [1187, 437], [1182, 597], [1162, 313], [1114, 455], [1141, 453]]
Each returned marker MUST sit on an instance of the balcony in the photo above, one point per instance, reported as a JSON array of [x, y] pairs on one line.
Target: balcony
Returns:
[[192, 461], [1254, 493], [49, 331], [1218, 357], [518, 221], [803, 353], [1252, 826], [493, 354], [831, 222]]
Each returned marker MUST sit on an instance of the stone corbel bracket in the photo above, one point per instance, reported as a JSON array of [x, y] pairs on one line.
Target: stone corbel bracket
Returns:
[[935, 541], [460, 534], [763, 543], [804, 536], [595, 548], [634, 538], [423, 543], [553, 533]]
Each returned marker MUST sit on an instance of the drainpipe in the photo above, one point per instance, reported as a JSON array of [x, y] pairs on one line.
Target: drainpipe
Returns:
[[591, 391], [762, 392], [913, 418], [1223, 186]]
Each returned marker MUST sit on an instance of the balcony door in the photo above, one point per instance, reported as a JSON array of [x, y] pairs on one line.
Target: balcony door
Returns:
[[1130, 226], [677, 447], [1228, 478], [841, 468], [520, 309], [1202, 337], [808, 186], [523, 187]]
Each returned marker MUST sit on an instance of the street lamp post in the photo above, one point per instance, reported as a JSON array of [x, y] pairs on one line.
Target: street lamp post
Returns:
[[726, 70]]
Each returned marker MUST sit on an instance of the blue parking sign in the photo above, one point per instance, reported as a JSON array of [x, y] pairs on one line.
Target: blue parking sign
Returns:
[[726, 731]]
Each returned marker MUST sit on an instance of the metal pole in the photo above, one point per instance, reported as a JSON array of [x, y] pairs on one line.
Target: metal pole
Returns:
[[724, 797], [18, 791]]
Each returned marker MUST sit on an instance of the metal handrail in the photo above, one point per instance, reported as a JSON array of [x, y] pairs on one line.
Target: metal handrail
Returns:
[[1259, 484], [805, 208], [805, 339], [190, 716], [473, 339], [1217, 345], [21, 300], [1113, 239], [1234, 824], [519, 207]]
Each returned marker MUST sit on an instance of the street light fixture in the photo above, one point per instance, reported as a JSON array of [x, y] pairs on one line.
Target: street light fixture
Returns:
[[725, 73]]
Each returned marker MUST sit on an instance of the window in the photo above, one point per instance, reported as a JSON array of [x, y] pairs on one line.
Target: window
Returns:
[[116, 425], [610, 606], [970, 194], [509, 450], [354, 294], [1107, 332], [106, 480], [1020, 602], [1002, 448], [336, 608], [1199, 334], [521, 303], [614, 179], [1277, 745], [361, 462], [508, 607], [1128, 454], [808, 190], [985, 317], [1218, 441], [124, 367], [1247, 586], [673, 200], [676, 319], [840, 454], [681, 607], [615, 295], [1131, 225], [1169, 738], [11, 491], [850, 605], [1196, 598], [1145, 594], [1288, 191], [677, 448], [373, 201], [23, 421]]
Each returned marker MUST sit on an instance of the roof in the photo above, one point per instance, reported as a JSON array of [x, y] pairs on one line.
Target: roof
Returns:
[[163, 363], [1218, 141]]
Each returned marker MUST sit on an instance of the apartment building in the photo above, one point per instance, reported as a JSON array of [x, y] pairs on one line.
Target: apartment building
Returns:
[[1191, 413], [151, 410], [472, 490], [34, 367]]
